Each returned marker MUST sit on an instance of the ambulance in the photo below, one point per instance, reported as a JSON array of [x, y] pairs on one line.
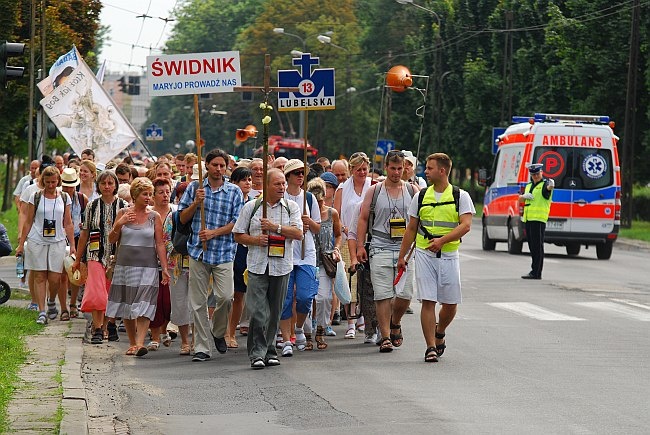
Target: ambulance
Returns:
[[580, 153]]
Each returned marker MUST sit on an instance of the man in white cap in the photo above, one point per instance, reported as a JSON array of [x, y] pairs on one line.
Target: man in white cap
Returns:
[[303, 277], [410, 165], [537, 205]]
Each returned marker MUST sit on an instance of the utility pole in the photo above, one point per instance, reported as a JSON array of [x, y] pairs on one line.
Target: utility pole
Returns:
[[506, 93], [42, 116], [30, 122], [629, 133]]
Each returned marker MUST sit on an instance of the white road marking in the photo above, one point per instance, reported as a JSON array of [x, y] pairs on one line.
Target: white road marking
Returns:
[[618, 309], [533, 311], [632, 303]]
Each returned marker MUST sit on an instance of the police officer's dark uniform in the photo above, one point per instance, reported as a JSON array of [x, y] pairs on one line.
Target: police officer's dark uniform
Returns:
[[537, 197]]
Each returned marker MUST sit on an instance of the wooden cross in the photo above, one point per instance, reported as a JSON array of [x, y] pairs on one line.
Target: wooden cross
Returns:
[[265, 90]]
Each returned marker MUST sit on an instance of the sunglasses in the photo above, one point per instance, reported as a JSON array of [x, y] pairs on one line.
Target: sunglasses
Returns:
[[394, 153], [297, 173]]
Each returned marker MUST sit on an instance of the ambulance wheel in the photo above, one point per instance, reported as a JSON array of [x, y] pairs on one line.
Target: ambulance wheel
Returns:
[[604, 250], [5, 292], [573, 249], [514, 246], [488, 244]]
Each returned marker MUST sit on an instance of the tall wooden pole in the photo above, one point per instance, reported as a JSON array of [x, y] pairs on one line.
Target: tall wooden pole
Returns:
[[304, 180], [199, 146]]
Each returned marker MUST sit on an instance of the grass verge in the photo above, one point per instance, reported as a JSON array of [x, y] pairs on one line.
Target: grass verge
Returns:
[[640, 231], [15, 324]]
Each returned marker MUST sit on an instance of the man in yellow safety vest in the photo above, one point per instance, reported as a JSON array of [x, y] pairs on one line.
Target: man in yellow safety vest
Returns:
[[537, 205], [439, 216]]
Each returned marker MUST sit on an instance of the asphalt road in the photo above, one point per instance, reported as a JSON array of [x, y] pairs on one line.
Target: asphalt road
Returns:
[[568, 354]]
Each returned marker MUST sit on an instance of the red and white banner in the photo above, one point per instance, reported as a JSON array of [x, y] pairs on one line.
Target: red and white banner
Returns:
[[194, 73]]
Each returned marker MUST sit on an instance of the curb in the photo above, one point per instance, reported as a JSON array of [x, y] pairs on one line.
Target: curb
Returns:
[[74, 400], [631, 245]]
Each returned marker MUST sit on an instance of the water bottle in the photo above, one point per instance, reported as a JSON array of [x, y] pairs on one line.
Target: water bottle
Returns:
[[20, 267]]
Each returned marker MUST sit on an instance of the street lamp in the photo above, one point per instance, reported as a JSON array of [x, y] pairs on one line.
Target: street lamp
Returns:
[[410, 2]]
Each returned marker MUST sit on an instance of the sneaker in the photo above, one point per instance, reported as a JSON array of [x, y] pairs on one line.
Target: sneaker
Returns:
[[257, 363], [42, 318], [52, 312], [200, 356], [287, 349], [121, 328], [337, 319], [301, 340], [32, 307], [98, 336], [370, 338], [350, 333], [220, 344], [112, 332], [329, 331], [270, 362]]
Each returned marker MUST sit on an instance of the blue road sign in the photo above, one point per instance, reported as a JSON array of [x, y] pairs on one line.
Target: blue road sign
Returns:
[[316, 86], [153, 133], [384, 146]]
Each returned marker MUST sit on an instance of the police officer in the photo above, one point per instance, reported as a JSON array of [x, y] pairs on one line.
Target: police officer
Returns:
[[537, 205]]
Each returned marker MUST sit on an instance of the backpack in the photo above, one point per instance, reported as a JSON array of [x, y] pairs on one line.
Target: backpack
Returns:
[[5, 244], [83, 204], [373, 203], [180, 233], [456, 194]]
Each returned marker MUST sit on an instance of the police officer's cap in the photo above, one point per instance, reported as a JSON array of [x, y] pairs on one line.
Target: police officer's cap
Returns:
[[535, 168]]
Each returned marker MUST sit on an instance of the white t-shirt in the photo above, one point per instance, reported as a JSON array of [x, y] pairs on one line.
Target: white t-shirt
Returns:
[[50, 209], [22, 183], [310, 245], [465, 205], [29, 190]]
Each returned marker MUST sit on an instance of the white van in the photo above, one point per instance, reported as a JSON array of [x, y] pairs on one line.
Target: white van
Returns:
[[580, 153]]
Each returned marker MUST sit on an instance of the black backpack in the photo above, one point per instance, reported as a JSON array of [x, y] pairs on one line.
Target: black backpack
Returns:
[[180, 233]]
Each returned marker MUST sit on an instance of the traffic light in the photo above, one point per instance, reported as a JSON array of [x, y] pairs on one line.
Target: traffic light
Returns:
[[8, 72], [122, 84], [134, 85]]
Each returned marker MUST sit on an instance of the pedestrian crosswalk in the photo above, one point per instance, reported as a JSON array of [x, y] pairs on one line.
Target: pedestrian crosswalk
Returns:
[[579, 311]]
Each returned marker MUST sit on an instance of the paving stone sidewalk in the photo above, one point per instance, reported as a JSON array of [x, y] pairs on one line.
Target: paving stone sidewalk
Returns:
[[50, 382]]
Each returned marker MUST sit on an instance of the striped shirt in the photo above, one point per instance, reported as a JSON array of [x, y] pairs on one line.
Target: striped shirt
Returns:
[[222, 206]]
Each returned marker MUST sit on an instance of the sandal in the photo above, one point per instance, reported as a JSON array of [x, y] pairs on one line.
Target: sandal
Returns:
[[351, 332], [232, 342], [52, 312], [320, 339], [132, 350], [243, 330], [166, 340], [440, 348], [430, 355], [385, 345], [153, 345], [141, 351], [185, 349], [396, 339], [65, 316], [309, 345], [74, 312]]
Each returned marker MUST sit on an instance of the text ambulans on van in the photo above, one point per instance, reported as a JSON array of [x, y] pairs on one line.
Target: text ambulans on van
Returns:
[[580, 153]]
